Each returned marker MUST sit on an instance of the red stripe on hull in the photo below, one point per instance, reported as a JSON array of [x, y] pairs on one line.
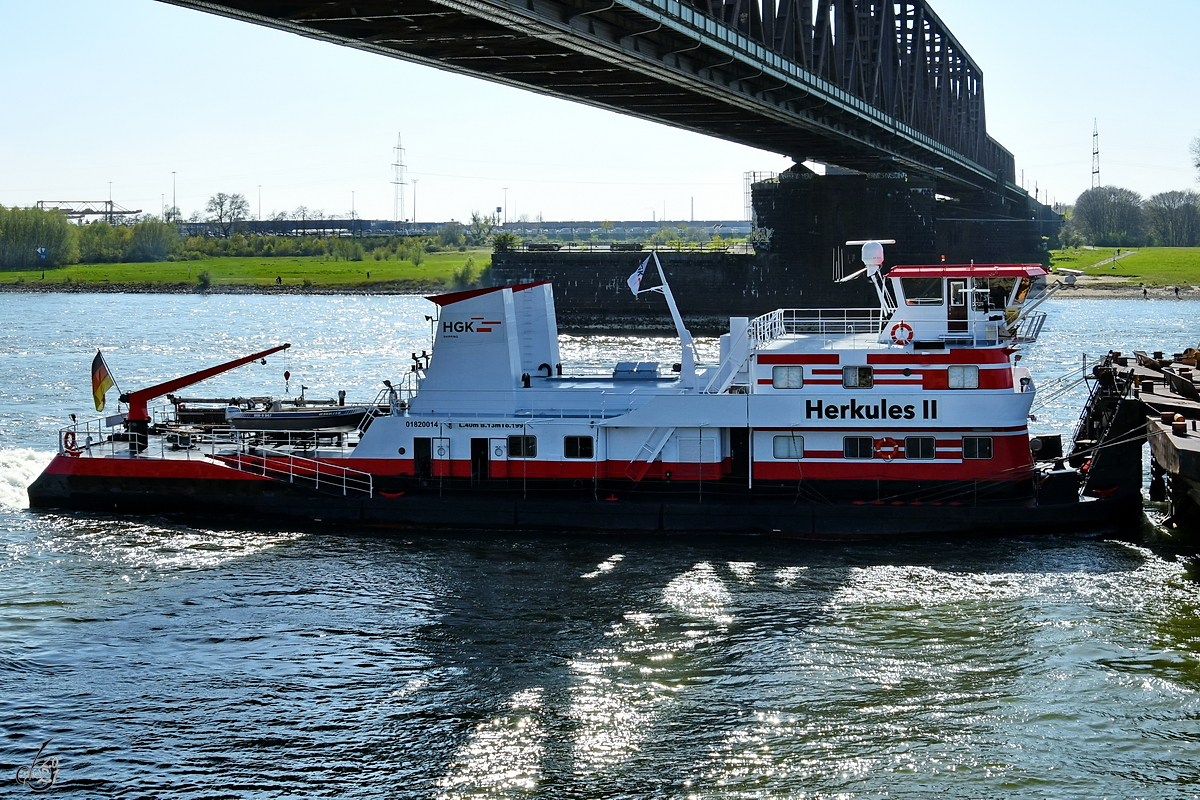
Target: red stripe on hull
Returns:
[[924, 430], [939, 379], [992, 355], [798, 358], [142, 467]]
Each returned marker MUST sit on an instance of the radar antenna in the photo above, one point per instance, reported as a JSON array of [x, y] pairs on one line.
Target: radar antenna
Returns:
[[872, 257]]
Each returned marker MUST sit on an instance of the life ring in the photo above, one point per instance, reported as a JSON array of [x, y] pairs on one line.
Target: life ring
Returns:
[[70, 443], [905, 332], [887, 448]]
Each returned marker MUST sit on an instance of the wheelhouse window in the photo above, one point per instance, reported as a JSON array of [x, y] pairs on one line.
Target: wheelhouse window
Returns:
[[920, 447], [522, 447], [578, 447], [787, 377], [858, 377], [858, 447], [1022, 291], [788, 447], [963, 376], [923, 291], [977, 447], [999, 290]]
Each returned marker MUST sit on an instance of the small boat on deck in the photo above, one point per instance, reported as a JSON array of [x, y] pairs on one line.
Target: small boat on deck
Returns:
[[319, 418]]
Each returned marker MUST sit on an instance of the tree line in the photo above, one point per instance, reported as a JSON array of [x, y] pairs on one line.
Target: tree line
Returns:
[[25, 231], [1110, 216]]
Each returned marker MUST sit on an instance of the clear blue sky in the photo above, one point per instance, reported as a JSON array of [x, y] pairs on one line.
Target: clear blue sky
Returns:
[[129, 91]]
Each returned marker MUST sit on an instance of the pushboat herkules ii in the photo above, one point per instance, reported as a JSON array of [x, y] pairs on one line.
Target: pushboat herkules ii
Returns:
[[908, 418]]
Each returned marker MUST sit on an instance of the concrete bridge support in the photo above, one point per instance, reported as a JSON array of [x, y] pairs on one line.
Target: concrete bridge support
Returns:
[[809, 218]]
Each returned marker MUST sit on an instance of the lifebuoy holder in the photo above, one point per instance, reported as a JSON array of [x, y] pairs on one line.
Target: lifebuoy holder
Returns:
[[70, 443], [887, 448], [902, 332]]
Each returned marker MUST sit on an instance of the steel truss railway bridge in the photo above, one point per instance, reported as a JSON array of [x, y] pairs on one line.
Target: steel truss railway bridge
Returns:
[[877, 87]]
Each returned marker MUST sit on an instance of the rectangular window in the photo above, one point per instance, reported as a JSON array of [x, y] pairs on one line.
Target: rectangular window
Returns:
[[998, 291], [578, 447], [963, 376], [923, 291], [858, 377], [787, 377], [977, 447], [858, 447], [958, 293], [920, 447], [1022, 291], [788, 447], [522, 447]]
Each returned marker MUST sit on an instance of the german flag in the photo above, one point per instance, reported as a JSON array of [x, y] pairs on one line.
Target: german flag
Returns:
[[101, 380]]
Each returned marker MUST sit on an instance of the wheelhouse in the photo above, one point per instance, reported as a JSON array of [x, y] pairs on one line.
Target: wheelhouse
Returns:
[[964, 304]]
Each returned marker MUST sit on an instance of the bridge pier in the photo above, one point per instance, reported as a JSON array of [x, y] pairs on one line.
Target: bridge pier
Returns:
[[811, 216], [809, 219]]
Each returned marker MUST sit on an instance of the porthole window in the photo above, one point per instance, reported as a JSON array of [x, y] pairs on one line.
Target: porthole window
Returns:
[[578, 447], [858, 377], [963, 376], [787, 377], [920, 447], [788, 446], [858, 447], [977, 447], [522, 447]]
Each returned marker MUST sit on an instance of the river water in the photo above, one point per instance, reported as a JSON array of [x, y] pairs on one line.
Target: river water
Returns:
[[170, 658]]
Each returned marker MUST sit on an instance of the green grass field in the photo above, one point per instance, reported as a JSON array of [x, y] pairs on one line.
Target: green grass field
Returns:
[[436, 271], [1153, 266]]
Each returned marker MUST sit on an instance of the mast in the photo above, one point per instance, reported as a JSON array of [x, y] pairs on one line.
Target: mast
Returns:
[[687, 348], [137, 400]]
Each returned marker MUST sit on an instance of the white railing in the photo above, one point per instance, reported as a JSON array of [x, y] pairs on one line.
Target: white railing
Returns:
[[722, 376], [1030, 327], [991, 332], [291, 468], [269, 453], [820, 322]]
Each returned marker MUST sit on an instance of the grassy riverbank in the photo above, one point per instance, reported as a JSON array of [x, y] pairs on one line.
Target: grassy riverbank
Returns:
[[1151, 266], [436, 271]]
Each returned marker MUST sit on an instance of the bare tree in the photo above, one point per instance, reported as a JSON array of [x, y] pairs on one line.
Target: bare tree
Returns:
[[479, 229], [1109, 216], [1174, 218], [1195, 148], [226, 210]]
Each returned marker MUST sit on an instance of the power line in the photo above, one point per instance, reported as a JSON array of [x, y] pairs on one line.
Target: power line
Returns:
[[398, 180]]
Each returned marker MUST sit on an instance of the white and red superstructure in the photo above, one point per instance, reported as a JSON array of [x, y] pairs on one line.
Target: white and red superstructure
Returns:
[[907, 417], [924, 389]]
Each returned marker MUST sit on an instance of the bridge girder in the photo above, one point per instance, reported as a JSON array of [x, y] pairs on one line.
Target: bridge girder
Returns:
[[845, 82]]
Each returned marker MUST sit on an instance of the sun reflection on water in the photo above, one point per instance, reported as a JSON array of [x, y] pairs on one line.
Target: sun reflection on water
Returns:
[[502, 754]]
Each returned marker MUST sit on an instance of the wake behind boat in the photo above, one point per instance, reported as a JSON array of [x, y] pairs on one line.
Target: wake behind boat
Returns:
[[908, 418]]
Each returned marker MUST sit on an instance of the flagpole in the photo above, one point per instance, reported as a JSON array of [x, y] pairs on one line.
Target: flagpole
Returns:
[[111, 376], [686, 346]]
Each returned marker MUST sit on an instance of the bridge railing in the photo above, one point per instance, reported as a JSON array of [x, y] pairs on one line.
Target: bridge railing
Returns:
[[898, 58]]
